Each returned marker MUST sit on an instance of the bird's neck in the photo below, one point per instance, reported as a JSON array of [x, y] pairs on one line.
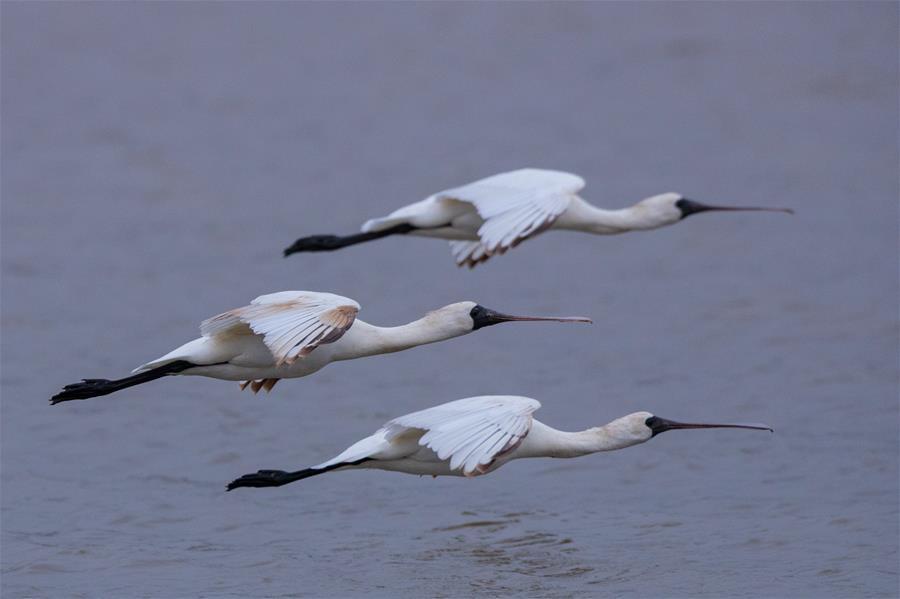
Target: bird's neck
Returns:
[[582, 216], [549, 442], [372, 340]]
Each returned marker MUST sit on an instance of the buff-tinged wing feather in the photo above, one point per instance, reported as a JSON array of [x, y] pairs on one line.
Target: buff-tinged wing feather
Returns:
[[468, 253], [292, 323], [256, 385]]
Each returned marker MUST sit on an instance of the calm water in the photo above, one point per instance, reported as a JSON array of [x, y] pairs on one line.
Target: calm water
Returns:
[[157, 157]]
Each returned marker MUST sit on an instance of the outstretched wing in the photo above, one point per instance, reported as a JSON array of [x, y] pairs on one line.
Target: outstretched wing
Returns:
[[470, 432], [292, 323], [515, 206]]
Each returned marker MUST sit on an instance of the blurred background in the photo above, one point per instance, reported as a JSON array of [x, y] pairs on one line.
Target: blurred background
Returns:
[[157, 157]]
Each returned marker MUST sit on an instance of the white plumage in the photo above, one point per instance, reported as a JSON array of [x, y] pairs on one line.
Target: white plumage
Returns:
[[469, 432], [475, 436], [292, 334], [516, 205], [489, 216], [291, 323], [499, 211]]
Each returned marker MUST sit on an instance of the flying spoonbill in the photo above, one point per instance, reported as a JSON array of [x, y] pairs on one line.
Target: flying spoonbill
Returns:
[[474, 436], [490, 216], [293, 334]]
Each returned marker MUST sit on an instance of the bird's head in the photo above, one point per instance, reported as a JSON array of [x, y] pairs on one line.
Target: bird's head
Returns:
[[668, 208], [464, 317], [659, 210], [642, 426]]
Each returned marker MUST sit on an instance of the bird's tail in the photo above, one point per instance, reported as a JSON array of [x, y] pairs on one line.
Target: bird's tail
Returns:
[[277, 478], [88, 388], [327, 243]]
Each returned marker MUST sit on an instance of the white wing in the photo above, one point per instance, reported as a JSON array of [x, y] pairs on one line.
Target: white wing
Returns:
[[468, 253], [517, 204], [510, 207], [470, 432], [292, 323]]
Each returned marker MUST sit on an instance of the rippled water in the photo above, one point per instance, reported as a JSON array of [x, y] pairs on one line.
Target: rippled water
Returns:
[[157, 157]]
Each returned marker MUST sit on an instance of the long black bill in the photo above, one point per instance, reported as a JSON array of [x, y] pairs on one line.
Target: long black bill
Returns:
[[689, 207], [485, 317], [661, 425]]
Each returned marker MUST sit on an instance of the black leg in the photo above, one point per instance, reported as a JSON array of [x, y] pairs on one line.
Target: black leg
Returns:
[[88, 388], [271, 478], [277, 478], [328, 243]]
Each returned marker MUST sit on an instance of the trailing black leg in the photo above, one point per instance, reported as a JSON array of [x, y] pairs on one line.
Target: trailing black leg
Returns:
[[328, 243], [88, 388], [277, 478]]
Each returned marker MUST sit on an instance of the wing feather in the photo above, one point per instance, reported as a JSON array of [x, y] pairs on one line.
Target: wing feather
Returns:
[[292, 323], [494, 445], [282, 343], [468, 253], [470, 452], [515, 206], [469, 440], [470, 432]]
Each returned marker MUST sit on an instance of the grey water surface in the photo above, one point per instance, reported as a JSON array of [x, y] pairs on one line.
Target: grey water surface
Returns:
[[158, 156]]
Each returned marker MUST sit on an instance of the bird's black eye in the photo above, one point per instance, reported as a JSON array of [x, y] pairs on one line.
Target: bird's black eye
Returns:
[[477, 312], [482, 317], [649, 422]]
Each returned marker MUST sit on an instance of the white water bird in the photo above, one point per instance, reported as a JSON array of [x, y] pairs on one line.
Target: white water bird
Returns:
[[490, 216], [474, 436], [293, 334]]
